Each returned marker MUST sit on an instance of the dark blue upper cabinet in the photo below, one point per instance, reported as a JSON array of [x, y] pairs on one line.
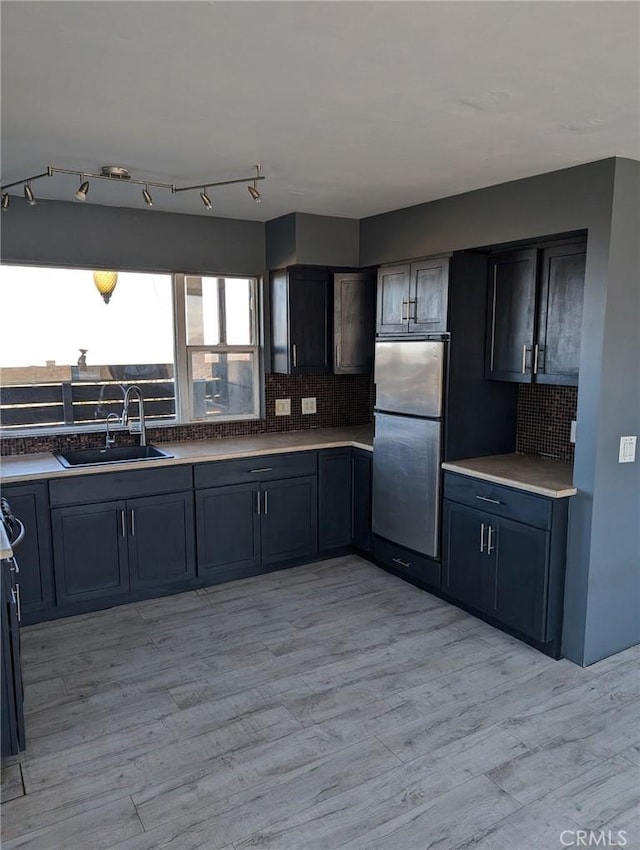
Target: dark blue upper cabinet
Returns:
[[301, 320], [413, 297]]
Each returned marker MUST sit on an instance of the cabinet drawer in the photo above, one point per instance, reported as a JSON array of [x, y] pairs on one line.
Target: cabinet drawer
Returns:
[[264, 468], [498, 500], [102, 486], [407, 563]]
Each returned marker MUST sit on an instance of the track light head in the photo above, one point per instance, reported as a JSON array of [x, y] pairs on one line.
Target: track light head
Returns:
[[6, 197], [206, 200], [147, 197], [82, 191], [28, 194], [253, 191]]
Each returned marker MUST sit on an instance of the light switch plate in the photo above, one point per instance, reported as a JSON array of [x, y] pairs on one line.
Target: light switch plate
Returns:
[[283, 407], [308, 405], [627, 450], [572, 435]]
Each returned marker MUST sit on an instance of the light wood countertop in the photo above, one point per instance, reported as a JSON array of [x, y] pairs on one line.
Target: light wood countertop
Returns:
[[16, 468], [540, 475]]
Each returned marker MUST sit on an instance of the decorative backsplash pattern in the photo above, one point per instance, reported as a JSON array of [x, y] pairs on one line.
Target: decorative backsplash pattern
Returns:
[[341, 400], [544, 420]]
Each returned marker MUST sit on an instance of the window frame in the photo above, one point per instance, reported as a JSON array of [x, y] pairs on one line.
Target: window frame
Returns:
[[181, 359]]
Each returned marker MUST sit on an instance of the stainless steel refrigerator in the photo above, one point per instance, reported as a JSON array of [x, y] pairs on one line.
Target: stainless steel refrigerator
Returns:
[[409, 378]]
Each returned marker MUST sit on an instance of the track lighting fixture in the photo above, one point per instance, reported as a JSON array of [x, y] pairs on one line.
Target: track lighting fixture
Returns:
[[28, 194], [82, 191], [253, 190], [118, 173]]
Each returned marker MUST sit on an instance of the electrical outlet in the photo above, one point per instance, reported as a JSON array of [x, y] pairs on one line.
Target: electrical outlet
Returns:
[[627, 452], [283, 407], [572, 435], [308, 405]]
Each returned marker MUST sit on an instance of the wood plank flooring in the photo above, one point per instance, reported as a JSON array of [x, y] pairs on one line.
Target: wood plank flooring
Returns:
[[329, 706]]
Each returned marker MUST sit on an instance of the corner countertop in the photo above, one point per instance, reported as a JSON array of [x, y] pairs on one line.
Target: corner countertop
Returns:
[[5, 547], [30, 467], [541, 475]]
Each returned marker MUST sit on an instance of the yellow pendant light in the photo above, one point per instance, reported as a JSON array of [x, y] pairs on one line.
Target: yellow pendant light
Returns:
[[105, 283]]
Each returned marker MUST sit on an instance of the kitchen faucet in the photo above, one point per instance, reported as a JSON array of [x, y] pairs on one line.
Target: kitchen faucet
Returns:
[[135, 391], [110, 441]]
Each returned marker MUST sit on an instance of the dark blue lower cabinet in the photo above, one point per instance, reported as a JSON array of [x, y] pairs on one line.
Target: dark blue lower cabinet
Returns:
[[90, 551], [361, 488], [498, 567], [334, 498], [289, 519], [228, 530], [161, 543]]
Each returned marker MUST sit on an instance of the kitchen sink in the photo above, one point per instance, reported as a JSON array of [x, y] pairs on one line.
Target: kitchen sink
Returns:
[[114, 454]]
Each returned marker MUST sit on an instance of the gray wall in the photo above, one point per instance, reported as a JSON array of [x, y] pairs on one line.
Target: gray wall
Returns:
[[601, 610], [67, 233], [315, 240]]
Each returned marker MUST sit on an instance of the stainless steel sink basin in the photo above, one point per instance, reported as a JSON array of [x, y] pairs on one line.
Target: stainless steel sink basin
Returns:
[[114, 454]]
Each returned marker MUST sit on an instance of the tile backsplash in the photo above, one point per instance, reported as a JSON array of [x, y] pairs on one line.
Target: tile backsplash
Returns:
[[544, 420], [341, 400]]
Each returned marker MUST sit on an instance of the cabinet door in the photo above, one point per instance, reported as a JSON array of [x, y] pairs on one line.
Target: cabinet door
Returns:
[[393, 299], [161, 540], [560, 315], [228, 531], [289, 519], [361, 486], [510, 318], [334, 493], [465, 561], [90, 551], [310, 299], [354, 299], [519, 576], [428, 296], [30, 505]]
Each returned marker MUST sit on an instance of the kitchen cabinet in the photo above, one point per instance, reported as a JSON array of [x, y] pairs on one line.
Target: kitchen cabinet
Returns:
[[504, 556], [412, 297], [334, 498], [354, 299], [30, 503], [361, 490], [535, 314], [255, 512], [107, 549], [301, 320]]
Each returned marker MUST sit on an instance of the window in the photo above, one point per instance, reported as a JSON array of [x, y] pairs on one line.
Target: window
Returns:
[[66, 357]]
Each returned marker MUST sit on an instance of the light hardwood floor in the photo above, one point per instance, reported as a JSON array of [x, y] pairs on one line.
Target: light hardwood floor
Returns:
[[329, 706]]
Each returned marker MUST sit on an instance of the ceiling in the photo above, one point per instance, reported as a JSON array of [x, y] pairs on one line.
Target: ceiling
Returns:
[[353, 108]]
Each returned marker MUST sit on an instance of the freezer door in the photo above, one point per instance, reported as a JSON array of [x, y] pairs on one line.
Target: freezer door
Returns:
[[406, 481], [409, 377]]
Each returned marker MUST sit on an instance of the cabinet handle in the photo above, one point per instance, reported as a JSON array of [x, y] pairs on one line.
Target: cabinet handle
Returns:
[[123, 523], [404, 318], [337, 363], [487, 499], [266, 502], [490, 547], [14, 568], [413, 318], [294, 348], [262, 469], [482, 537], [402, 563], [133, 523], [524, 359], [535, 360], [258, 501], [18, 602]]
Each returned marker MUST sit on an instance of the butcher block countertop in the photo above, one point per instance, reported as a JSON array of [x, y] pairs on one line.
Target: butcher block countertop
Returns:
[[30, 467], [540, 475]]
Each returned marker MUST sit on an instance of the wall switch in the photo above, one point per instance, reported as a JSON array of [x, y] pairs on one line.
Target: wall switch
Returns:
[[572, 435], [283, 407], [308, 405], [627, 450]]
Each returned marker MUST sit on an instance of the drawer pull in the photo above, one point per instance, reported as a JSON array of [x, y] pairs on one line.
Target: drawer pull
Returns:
[[262, 469], [402, 563], [487, 499]]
